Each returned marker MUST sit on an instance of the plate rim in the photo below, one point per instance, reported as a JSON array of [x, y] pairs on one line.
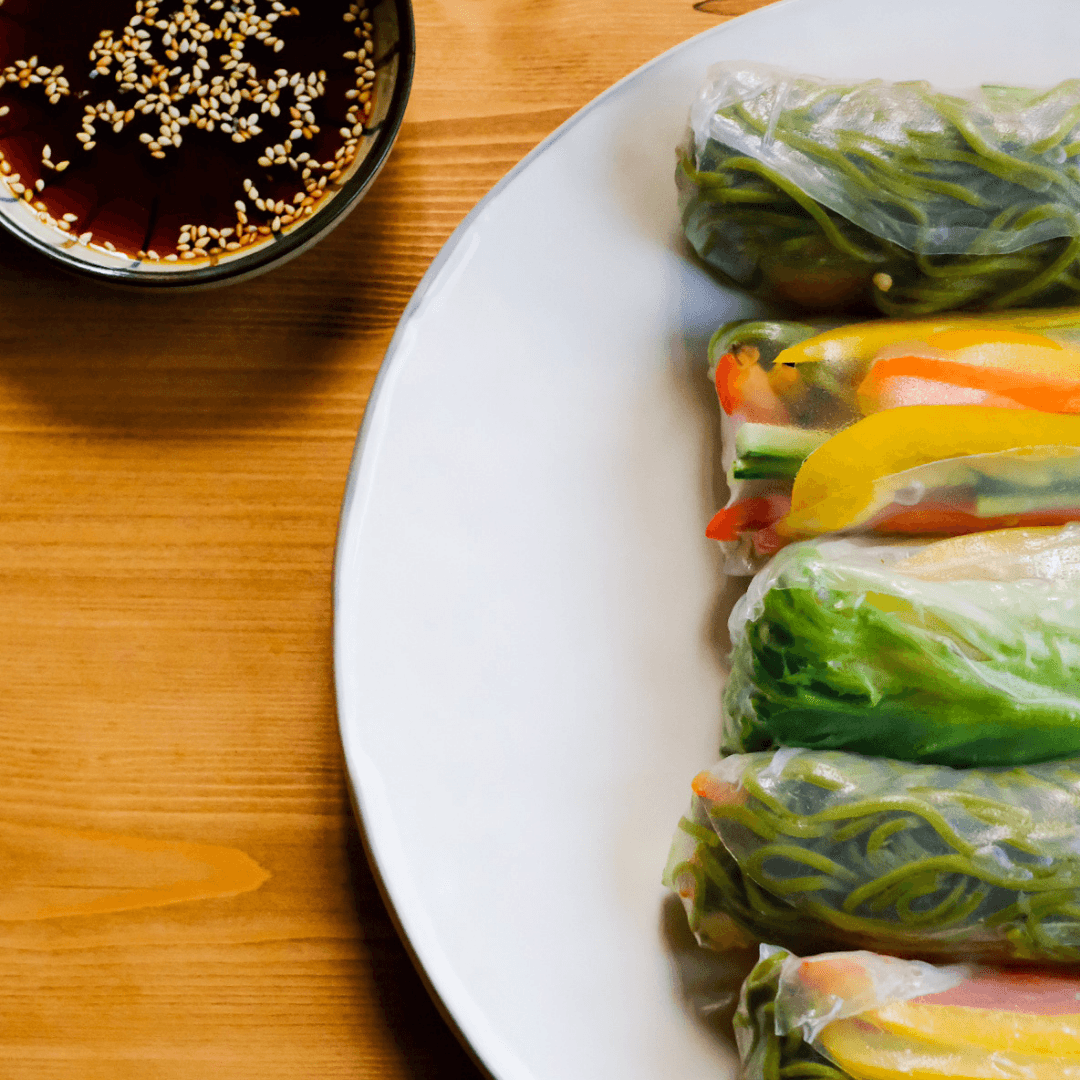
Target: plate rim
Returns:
[[351, 518]]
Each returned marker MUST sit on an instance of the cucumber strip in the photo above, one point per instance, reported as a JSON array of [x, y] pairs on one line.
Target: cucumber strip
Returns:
[[762, 467], [1027, 502], [778, 441]]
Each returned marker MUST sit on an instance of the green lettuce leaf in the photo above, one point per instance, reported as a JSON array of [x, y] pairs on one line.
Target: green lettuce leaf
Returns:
[[835, 648]]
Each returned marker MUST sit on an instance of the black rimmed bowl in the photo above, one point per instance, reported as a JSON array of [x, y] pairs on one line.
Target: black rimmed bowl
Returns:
[[211, 263]]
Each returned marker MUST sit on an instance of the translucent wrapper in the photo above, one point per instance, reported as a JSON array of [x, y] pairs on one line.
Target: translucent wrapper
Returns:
[[960, 652], [891, 194], [910, 427], [823, 850], [855, 1015]]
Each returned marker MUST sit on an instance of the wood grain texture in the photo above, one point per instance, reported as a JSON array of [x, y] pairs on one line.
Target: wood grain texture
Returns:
[[185, 895]]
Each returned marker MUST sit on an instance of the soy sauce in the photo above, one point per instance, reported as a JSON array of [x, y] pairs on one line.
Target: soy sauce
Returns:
[[232, 82]]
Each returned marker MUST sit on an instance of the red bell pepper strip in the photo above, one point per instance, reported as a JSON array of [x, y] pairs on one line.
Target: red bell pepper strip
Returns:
[[927, 519], [748, 515], [743, 385], [729, 379]]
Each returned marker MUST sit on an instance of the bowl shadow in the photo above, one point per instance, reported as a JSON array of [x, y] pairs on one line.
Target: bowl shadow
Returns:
[[76, 353]]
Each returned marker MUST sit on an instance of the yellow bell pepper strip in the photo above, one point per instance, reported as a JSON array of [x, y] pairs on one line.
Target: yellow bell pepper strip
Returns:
[[868, 1016], [863, 341], [997, 1023], [1015, 1020], [1005, 555], [865, 1052], [838, 486], [998, 1011]]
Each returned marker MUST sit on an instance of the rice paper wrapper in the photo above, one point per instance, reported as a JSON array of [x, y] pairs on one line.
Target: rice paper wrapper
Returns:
[[964, 651], [859, 179], [802, 404], [857, 1014], [831, 139], [820, 850]]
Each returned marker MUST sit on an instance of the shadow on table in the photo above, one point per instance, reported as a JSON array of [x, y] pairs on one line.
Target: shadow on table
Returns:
[[428, 1047], [707, 982], [91, 355]]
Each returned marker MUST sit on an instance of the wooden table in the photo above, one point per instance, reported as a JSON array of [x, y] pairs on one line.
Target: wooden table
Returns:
[[184, 892]]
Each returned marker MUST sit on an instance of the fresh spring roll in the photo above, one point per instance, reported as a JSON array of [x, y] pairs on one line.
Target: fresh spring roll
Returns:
[[891, 195], [816, 849], [962, 652], [932, 426], [864, 1016]]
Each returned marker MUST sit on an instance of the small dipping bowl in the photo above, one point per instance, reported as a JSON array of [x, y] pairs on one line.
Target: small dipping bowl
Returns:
[[224, 137]]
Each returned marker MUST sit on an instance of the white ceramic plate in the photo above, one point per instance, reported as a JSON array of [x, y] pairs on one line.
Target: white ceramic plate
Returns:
[[528, 616]]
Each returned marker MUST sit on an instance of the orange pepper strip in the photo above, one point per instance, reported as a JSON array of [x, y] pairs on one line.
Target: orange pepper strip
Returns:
[[747, 515], [926, 520], [707, 786], [1027, 390], [835, 974]]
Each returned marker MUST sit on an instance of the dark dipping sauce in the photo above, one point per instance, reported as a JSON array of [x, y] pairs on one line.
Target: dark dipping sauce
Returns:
[[112, 178]]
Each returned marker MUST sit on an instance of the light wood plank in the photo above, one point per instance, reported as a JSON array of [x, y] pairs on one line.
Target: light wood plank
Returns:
[[172, 470]]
